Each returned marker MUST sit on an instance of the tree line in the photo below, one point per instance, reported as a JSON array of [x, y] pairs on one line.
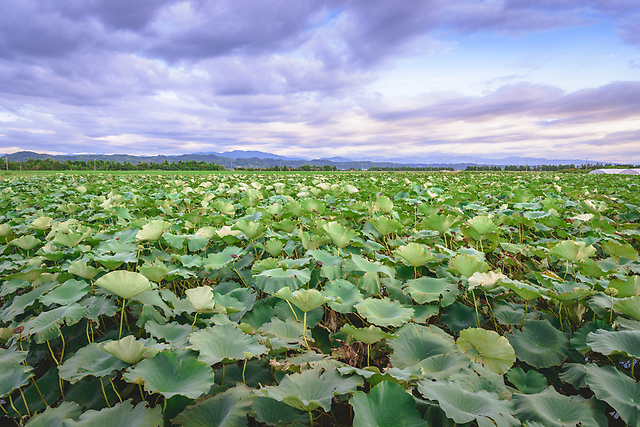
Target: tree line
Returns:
[[108, 165]]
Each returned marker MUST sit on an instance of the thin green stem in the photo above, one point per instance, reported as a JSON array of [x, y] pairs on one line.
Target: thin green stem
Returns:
[[194, 321], [222, 380], [104, 393], [293, 311], [311, 418], [124, 302], [14, 408], [114, 389], [243, 369], [304, 330], [52, 355], [26, 405], [475, 305]]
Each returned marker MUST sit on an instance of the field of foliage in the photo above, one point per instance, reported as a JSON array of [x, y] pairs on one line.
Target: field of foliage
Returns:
[[366, 299]]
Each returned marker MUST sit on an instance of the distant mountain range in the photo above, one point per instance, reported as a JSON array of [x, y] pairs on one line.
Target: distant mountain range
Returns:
[[259, 159]]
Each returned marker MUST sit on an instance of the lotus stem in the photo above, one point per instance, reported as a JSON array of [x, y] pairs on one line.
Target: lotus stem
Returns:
[[124, 302], [222, 380], [304, 330], [164, 407], [495, 324], [526, 309], [311, 418], [294, 312], [233, 265], [39, 392], [475, 305], [243, 369], [611, 312], [368, 352], [194, 321], [114, 389], [14, 408], [560, 317], [63, 346], [104, 393], [25, 402], [87, 332], [52, 355]]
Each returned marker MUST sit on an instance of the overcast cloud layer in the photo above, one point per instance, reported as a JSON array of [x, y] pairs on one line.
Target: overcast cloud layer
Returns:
[[359, 78]]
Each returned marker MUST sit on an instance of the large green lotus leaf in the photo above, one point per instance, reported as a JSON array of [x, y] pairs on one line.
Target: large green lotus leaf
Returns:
[[385, 226], [540, 344], [81, 269], [224, 343], [201, 298], [128, 349], [222, 259], [155, 273], [482, 224], [42, 223], [305, 299], [90, 360], [114, 261], [345, 291], [229, 303], [69, 239], [166, 374], [630, 307], [552, 409], [271, 412], [30, 274], [12, 378], [251, 229], [176, 242], [386, 405], [466, 265], [443, 366], [55, 417], [439, 223], [416, 343], [617, 389], [98, 306], [463, 406], [21, 302], [574, 374], [627, 288], [286, 334], [487, 348], [620, 342], [572, 251], [224, 208], [67, 293], [414, 254], [25, 242], [339, 234], [312, 389], [330, 265], [173, 333], [459, 316], [427, 289], [10, 358], [271, 281], [532, 382], [384, 312], [47, 325], [512, 314], [121, 415], [228, 409], [125, 284], [618, 250], [369, 335], [153, 230], [526, 291]]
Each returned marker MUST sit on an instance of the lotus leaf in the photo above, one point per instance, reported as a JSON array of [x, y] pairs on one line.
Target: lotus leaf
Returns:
[[630, 307], [386, 226], [166, 374], [201, 298], [222, 259], [25, 242], [617, 389], [531, 382], [482, 224], [428, 289], [153, 230], [46, 325], [386, 405], [81, 269], [172, 333], [125, 284], [414, 254], [384, 312], [225, 343], [128, 349], [553, 409], [90, 360], [14, 377], [305, 299], [121, 415], [67, 293], [228, 409], [345, 291], [572, 251], [339, 234], [540, 344], [271, 412], [487, 348], [251, 229], [466, 265], [369, 335], [463, 406], [271, 281], [54, 417], [620, 342], [416, 343]]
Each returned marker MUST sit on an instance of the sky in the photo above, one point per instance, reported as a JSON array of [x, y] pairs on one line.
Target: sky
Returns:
[[557, 79]]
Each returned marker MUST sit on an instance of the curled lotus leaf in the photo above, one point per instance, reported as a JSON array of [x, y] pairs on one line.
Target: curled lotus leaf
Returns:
[[153, 230], [90, 360], [83, 270], [369, 335], [531, 382], [201, 298], [128, 349], [305, 299], [125, 284], [618, 342], [487, 348], [629, 307], [339, 234], [414, 254], [225, 343], [572, 251], [466, 265], [487, 281], [345, 291], [25, 242], [617, 389]]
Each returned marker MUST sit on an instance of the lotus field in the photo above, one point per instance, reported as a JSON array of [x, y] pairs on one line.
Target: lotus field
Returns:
[[443, 299]]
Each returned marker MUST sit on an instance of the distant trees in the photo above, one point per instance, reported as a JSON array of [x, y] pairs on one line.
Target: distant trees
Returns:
[[108, 165]]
